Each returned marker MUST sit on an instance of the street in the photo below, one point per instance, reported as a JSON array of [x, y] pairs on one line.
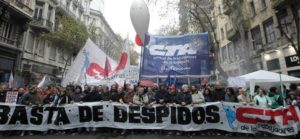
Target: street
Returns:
[[130, 136]]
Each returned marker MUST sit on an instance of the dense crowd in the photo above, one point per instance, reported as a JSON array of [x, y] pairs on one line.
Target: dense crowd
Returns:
[[56, 95]]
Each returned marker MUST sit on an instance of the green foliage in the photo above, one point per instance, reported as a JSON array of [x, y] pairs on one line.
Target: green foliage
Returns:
[[70, 36], [93, 34], [134, 56]]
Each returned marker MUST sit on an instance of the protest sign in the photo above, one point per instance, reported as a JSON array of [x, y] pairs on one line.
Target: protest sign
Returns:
[[230, 117], [185, 56], [11, 97]]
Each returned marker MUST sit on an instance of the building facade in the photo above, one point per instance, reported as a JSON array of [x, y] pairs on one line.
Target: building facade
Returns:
[[104, 36], [263, 45], [29, 57], [39, 57], [15, 16]]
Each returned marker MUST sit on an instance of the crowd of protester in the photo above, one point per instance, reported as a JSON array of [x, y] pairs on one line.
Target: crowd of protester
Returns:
[[57, 95]]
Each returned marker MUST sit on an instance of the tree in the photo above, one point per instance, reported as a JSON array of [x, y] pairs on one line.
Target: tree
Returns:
[[170, 29], [202, 20], [292, 37], [133, 55], [68, 38]]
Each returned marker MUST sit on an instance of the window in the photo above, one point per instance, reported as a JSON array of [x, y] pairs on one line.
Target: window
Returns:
[[30, 42], [263, 4], [256, 38], [52, 55], [40, 47], [222, 33], [38, 11], [224, 53], [252, 8], [61, 57], [283, 23], [269, 31], [231, 52], [6, 32], [49, 13], [273, 64]]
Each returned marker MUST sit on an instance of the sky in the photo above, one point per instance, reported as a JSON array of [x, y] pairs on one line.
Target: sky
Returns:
[[117, 14]]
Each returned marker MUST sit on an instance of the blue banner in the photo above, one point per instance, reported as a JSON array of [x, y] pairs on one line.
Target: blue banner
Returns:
[[183, 56]]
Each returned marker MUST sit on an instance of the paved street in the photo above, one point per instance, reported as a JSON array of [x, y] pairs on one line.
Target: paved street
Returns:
[[130, 136]]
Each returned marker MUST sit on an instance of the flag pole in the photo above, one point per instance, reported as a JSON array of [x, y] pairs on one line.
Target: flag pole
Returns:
[[281, 88]]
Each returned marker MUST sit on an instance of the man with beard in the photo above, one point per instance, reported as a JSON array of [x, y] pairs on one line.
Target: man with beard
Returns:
[[162, 96], [114, 95], [219, 92]]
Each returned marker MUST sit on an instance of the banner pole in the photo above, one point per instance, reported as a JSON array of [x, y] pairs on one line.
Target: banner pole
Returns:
[[281, 89], [141, 61]]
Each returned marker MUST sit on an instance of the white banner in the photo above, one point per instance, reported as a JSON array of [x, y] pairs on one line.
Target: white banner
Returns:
[[230, 117], [236, 82], [93, 66], [11, 97]]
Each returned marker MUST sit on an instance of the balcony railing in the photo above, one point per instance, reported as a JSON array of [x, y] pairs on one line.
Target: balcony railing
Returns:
[[22, 5], [67, 10], [43, 23], [8, 41]]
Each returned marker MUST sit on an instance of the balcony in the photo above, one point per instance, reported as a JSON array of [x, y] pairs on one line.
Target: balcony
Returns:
[[278, 3], [41, 23], [24, 7], [226, 9], [231, 33]]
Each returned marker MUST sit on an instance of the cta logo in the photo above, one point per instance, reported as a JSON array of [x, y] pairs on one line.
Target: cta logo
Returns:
[[174, 50], [255, 115]]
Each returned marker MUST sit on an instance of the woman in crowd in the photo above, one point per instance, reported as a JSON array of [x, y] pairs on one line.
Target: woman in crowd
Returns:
[[261, 100], [197, 96], [230, 95], [208, 97], [140, 98]]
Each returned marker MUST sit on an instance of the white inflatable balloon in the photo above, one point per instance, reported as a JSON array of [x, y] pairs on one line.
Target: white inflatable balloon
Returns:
[[140, 17]]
